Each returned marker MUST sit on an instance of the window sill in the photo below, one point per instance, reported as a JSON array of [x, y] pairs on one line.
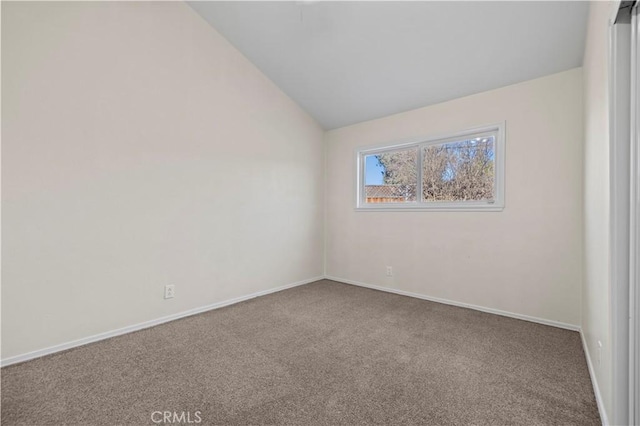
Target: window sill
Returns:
[[439, 208]]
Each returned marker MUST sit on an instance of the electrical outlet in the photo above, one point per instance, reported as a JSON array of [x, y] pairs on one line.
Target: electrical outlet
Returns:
[[389, 271], [599, 353], [169, 291]]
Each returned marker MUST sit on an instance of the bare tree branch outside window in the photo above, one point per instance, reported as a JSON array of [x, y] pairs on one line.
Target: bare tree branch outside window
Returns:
[[400, 173], [459, 171], [455, 171]]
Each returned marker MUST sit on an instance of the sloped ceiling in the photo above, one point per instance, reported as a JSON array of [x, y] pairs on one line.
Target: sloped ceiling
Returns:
[[346, 62]]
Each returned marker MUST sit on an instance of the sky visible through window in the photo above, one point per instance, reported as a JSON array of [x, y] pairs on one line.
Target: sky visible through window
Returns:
[[374, 171]]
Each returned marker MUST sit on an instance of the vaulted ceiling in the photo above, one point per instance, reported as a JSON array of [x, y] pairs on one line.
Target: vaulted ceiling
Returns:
[[346, 62]]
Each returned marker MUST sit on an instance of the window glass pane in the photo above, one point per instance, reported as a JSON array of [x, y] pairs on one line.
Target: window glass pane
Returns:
[[391, 177], [459, 171]]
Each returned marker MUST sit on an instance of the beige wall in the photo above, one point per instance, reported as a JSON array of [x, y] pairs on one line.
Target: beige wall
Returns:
[[596, 315], [525, 259], [141, 149]]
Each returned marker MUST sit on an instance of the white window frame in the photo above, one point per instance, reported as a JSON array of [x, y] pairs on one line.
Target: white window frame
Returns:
[[497, 204]]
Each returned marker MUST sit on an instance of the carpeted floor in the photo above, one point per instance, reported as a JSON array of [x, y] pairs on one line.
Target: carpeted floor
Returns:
[[324, 353]]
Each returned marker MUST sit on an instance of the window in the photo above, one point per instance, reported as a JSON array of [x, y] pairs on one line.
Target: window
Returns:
[[464, 171]]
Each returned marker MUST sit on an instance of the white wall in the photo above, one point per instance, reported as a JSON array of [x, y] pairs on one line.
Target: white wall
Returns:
[[141, 149], [525, 259], [596, 315]]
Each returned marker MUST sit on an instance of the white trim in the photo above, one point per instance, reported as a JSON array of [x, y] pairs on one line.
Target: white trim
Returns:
[[594, 383], [497, 129], [619, 210], [615, 6], [325, 184], [140, 326], [444, 207], [147, 324], [552, 323], [634, 246], [596, 390]]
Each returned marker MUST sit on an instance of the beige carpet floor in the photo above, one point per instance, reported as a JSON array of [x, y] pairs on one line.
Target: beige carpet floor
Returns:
[[320, 354]]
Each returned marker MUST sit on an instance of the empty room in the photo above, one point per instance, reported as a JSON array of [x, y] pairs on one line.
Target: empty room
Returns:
[[320, 213]]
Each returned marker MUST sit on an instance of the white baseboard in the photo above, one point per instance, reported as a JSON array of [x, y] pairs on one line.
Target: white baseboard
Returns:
[[113, 333], [594, 382], [596, 389], [106, 335], [459, 304]]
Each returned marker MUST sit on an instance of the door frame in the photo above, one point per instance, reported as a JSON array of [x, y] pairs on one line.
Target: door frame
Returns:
[[634, 224], [623, 173]]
